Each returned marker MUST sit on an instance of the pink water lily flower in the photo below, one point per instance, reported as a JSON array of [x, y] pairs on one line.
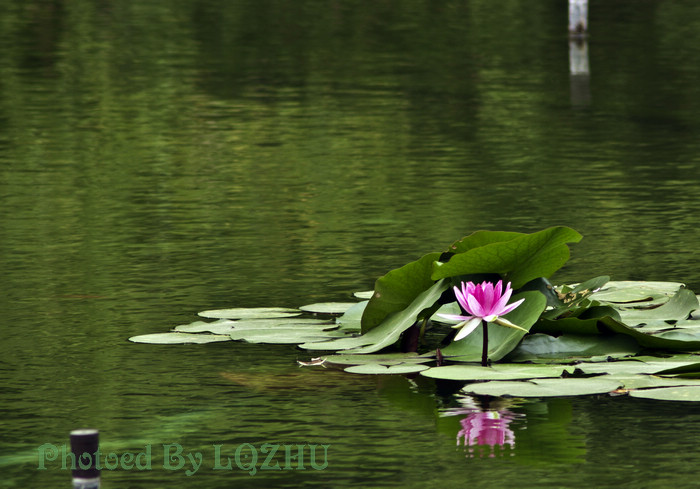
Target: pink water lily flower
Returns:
[[483, 302]]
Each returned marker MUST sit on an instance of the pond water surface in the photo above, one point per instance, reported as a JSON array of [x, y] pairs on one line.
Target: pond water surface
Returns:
[[159, 158]]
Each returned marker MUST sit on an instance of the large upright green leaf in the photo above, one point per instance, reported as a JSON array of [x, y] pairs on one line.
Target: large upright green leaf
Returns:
[[482, 238], [397, 289], [518, 260], [502, 340]]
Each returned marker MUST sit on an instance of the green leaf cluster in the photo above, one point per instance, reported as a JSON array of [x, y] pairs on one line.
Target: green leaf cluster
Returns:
[[514, 257], [598, 336]]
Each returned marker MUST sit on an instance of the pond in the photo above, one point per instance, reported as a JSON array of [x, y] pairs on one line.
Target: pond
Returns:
[[161, 158]]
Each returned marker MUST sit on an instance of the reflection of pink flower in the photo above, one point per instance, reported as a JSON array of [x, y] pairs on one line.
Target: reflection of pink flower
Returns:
[[482, 301], [488, 428]]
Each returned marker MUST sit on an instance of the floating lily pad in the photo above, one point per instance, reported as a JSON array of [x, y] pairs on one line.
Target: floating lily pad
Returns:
[[379, 358], [544, 387], [567, 347], [682, 393], [223, 326], [506, 371], [365, 294], [678, 307], [178, 338], [628, 292], [250, 313], [286, 323], [377, 369], [691, 371], [632, 381], [284, 335], [629, 367], [688, 341], [328, 307]]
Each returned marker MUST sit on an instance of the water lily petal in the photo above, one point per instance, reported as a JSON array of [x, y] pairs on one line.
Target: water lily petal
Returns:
[[505, 322], [510, 307], [503, 301], [493, 296], [455, 317], [475, 308], [461, 296], [468, 327], [487, 297]]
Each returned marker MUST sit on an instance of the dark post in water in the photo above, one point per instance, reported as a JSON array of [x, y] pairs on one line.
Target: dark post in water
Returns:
[[84, 445]]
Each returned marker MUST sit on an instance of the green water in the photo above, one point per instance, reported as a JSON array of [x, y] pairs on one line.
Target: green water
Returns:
[[159, 158]]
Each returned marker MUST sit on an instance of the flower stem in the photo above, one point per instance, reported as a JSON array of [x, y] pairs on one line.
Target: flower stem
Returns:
[[485, 349]]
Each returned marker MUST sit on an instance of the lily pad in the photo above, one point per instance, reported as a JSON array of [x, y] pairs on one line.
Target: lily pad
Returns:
[[378, 369], [567, 347], [284, 335], [286, 323], [630, 292], [379, 358], [629, 367], [365, 294], [506, 371], [222, 326], [685, 371], [682, 393], [250, 313], [678, 307], [178, 338], [632, 381], [656, 340], [544, 387], [328, 307]]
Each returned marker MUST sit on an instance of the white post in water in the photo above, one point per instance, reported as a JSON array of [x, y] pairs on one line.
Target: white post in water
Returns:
[[84, 445], [578, 17], [578, 53]]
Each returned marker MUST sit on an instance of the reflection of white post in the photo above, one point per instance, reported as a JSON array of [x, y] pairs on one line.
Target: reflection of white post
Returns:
[[578, 17], [578, 57], [579, 73]]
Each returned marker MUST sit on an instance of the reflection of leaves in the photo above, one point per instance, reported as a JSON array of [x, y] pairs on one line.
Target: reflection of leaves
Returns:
[[548, 439]]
